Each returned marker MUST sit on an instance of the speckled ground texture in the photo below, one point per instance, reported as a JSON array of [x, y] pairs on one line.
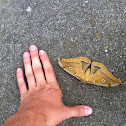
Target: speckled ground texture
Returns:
[[66, 28]]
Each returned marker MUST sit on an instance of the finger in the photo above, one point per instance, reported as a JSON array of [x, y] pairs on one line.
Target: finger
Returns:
[[79, 111], [48, 69], [21, 83], [75, 111], [28, 71], [36, 65]]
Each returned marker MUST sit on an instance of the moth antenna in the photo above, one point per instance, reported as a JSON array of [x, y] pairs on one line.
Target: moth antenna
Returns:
[[80, 82], [59, 58], [93, 80]]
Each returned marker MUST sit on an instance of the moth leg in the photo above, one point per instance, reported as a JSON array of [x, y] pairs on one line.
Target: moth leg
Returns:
[[80, 82], [93, 80]]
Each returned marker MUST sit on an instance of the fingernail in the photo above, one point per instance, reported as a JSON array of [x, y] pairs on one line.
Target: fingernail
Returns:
[[87, 111], [19, 70], [41, 52], [26, 54], [32, 48]]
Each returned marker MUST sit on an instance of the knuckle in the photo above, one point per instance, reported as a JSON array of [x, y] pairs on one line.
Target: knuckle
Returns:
[[41, 87], [19, 75], [21, 84], [29, 74], [52, 88], [37, 69], [34, 54], [77, 112], [49, 69], [20, 80]]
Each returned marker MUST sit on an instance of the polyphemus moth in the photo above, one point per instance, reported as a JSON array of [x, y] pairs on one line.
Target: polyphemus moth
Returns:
[[89, 72]]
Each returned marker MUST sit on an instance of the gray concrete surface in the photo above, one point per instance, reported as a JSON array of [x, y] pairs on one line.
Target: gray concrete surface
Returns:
[[66, 28]]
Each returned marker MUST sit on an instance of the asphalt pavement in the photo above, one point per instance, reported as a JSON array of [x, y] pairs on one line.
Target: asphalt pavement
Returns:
[[95, 29]]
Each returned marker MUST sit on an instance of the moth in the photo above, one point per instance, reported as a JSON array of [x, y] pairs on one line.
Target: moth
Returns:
[[89, 72]]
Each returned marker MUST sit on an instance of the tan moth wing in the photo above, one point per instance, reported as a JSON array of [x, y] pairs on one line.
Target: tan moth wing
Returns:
[[89, 72]]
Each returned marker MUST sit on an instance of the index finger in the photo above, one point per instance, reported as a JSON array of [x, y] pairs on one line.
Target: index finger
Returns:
[[48, 69]]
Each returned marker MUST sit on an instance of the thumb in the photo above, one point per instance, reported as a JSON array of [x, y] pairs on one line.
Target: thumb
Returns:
[[74, 111], [79, 111]]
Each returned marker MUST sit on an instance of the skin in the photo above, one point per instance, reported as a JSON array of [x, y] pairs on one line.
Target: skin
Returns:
[[41, 104]]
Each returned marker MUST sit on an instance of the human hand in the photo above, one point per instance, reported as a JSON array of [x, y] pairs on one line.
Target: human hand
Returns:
[[41, 104]]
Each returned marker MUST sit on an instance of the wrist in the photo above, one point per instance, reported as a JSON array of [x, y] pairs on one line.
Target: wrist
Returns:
[[24, 119]]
